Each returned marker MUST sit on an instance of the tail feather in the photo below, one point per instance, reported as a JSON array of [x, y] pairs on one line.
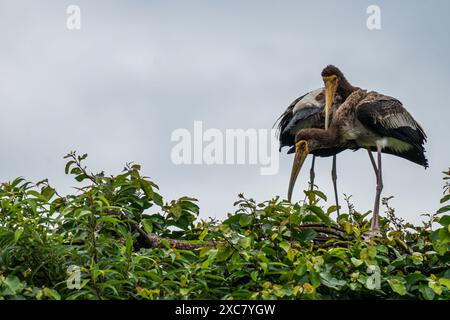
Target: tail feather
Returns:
[[415, 154]]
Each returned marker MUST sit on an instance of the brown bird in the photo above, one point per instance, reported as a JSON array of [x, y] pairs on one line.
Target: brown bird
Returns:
[[367, 120], [308, 111]]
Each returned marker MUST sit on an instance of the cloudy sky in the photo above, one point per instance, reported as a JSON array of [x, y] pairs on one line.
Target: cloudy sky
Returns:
[[138, 70]]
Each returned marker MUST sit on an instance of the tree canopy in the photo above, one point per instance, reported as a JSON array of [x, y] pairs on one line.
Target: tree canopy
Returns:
[[116, 237]]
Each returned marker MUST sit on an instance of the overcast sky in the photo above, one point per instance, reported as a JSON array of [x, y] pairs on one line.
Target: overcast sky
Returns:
[[138, 70]]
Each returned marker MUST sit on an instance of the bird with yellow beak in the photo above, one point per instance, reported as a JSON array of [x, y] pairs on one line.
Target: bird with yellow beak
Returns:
[[307, 139], [368, 120]]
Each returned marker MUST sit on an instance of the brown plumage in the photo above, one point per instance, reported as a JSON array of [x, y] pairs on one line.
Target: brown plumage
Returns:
[[307, 111], [367, 120]]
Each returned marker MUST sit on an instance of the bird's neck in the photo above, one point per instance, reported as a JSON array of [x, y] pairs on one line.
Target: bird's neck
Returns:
[[345, 88], [323, 139]]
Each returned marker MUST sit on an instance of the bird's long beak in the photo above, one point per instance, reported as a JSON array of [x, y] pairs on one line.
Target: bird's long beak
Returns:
[[301, 152], [330, 91]]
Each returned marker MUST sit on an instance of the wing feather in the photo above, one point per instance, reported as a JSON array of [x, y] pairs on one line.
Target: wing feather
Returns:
[[387, 117], [303, 112]]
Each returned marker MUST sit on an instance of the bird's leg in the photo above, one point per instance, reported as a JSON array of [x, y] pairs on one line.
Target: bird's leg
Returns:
[[312, 174], [372, 160], [334, 178], [376, 210]]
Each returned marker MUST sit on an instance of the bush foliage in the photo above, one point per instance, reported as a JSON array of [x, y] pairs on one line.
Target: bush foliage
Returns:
[[117, 238]]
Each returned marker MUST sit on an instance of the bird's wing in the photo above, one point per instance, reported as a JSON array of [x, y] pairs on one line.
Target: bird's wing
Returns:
[[303, 112], [388, 117]]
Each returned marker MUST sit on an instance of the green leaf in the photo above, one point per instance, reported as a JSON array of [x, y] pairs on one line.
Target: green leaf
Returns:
[[426, 292], [184, 291], [319, 212], [203, 234], [436, 287], [382, 249], [158, 199], [330, 281], [307, 235], [356, 262], [51, 293], [147, 224], [320, 194], [109, 219], [445, 282], [300, 270], [48, 192], [413, 278], [440, 247], [315, 278], [129, 246], [445, 220], [443, 209], [397, 286], [17, 235], [81, 177], [444, 235], [13, 284], [75, 171], [68, 164], [245, 220], [190, 206], [445, 198], [224, 253], [285, 246], [37, 195], [291, 254], [264, 266], [211, 257], [104, 200], [331, 209], [176, 212], [245, 242]]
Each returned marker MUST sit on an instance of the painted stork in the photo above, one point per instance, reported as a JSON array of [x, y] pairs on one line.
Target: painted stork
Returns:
[[367, 120], [308, 111]]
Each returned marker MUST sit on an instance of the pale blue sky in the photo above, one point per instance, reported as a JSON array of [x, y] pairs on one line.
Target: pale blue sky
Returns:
[[137, 70]]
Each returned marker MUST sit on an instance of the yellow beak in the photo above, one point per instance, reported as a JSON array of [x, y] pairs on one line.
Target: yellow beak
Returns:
[[301, 152], [330, 91]]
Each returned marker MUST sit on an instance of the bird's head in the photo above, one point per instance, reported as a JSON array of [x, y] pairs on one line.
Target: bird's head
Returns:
[[311, 138], [332, 77], [331, 70], [309, 141]]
